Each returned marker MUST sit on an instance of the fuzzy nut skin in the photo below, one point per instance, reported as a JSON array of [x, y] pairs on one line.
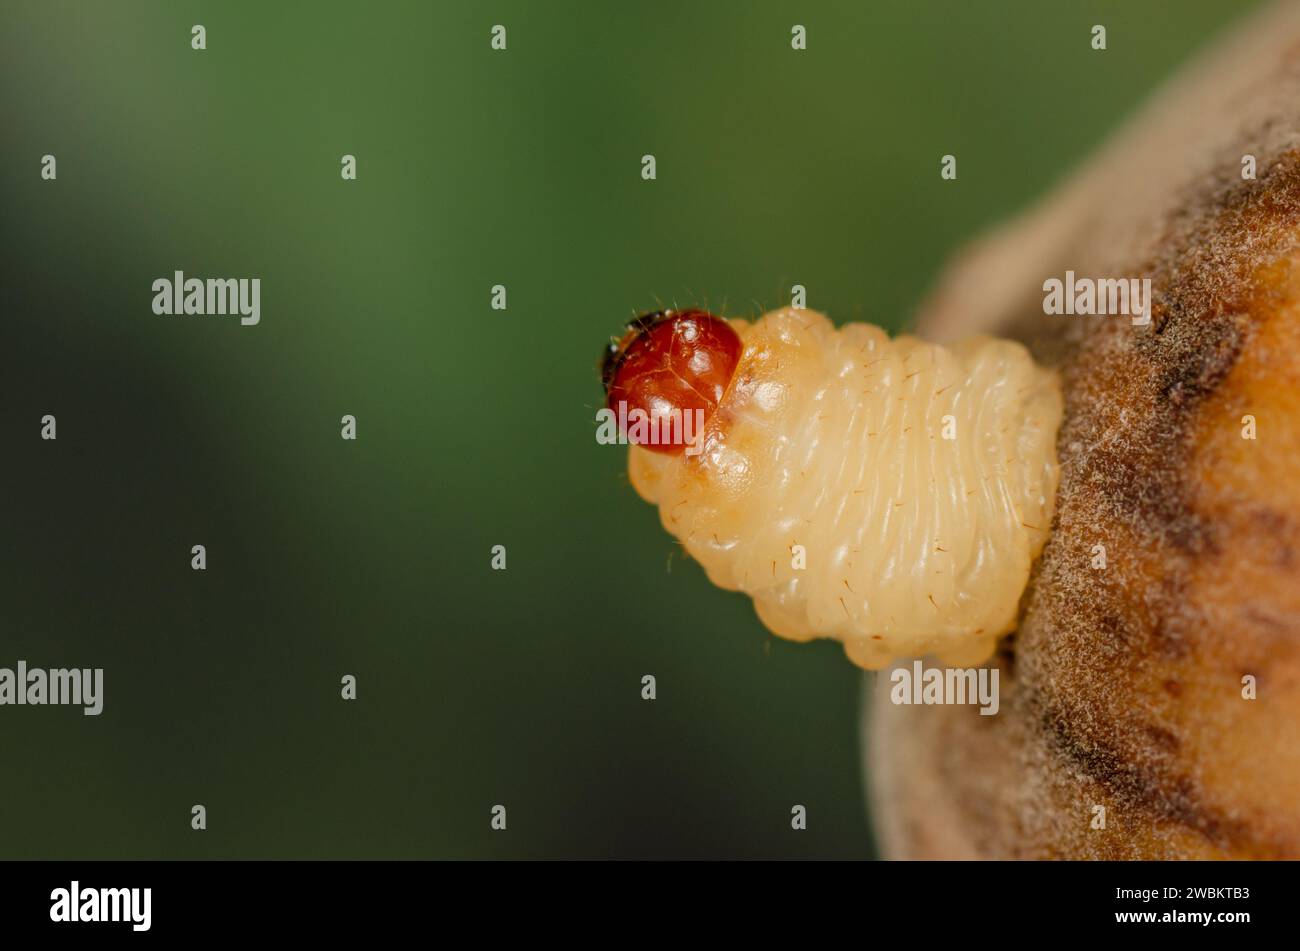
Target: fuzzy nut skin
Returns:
[[1122, 687]]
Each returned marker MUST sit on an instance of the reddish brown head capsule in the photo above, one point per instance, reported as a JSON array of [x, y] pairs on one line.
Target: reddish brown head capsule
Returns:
[[666, 376]]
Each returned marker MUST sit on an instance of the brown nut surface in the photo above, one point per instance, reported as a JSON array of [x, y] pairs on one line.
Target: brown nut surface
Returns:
[[1123, 686]]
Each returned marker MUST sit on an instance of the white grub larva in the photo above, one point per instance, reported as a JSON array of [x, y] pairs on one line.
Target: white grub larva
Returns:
[[889, 494]]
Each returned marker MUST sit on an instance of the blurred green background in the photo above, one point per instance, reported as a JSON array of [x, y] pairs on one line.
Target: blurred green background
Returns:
[[475, 426]]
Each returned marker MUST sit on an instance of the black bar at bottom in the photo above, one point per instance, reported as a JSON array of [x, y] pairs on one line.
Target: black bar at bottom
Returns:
[[367, 899]]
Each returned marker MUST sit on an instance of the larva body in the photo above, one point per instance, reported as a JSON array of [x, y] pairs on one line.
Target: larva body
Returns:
[[890, 494]]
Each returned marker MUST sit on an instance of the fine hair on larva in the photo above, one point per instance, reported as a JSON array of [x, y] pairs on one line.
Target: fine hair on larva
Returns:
[[891, 494]]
